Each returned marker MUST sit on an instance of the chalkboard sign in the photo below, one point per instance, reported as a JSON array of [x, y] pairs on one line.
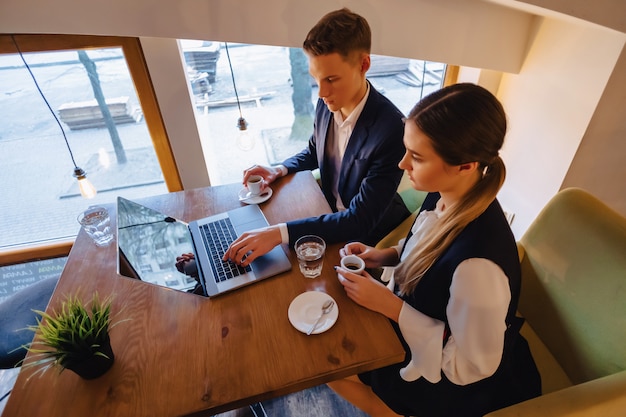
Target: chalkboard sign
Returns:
[[14, 278]]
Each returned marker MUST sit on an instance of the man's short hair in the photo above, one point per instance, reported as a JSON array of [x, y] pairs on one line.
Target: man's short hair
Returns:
[[340, 31]]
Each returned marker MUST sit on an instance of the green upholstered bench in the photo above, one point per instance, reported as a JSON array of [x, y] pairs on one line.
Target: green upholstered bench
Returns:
[[413, 200], [573, 297]]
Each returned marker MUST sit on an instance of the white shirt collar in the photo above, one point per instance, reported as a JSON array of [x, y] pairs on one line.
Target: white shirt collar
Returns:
[[354, 116]]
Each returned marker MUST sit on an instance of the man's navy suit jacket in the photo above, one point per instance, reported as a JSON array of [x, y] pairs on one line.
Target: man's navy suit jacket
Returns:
[[368, 178]]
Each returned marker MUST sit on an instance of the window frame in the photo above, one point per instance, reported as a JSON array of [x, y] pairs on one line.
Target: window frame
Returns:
[[145, 93], [138, 69]]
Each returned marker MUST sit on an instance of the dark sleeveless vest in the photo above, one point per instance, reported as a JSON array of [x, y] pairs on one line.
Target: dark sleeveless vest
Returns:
[[488, 237]]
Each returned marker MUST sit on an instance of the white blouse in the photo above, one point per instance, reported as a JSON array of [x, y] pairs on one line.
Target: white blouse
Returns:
[[476, 311]]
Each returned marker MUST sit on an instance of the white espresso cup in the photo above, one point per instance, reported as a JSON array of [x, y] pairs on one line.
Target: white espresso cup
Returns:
[[254, 184], [353, 264]]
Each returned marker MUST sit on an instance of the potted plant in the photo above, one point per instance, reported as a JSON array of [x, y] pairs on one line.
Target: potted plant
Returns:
[[74, 338]]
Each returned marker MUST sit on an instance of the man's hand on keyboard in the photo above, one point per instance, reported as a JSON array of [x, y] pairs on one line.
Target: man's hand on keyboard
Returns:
[[250, 245]]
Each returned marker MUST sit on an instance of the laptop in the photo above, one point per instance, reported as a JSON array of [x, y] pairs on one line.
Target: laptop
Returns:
[[150, 241]]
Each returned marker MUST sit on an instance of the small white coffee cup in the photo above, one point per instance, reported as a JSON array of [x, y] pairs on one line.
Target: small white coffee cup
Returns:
[[353, 264], [254, 184]]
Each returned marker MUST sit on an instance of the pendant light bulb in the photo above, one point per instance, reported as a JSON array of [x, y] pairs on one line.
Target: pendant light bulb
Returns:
[[87, 190], [245, 141], [242, 124]]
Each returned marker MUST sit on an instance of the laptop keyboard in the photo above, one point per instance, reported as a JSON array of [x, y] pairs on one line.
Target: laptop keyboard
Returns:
[[217, 237]]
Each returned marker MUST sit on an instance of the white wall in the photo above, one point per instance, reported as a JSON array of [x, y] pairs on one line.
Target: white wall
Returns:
[[599, 162], [477, 33], [550, 104], [609, 13]]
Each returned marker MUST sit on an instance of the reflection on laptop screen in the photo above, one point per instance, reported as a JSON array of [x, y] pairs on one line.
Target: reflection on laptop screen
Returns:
[[148, 244]]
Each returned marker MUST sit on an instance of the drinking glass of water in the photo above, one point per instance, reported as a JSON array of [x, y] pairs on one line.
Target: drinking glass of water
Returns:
[[97, 223], [310, 252]]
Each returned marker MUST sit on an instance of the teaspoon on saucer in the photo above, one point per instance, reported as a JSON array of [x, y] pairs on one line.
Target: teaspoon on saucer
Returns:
[[249, 196], [326, 308]]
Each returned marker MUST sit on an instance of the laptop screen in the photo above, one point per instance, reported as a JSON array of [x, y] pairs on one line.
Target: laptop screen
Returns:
[[148, 244]]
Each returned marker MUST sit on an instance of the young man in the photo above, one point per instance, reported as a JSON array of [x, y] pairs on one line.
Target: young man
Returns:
[[356, 144]]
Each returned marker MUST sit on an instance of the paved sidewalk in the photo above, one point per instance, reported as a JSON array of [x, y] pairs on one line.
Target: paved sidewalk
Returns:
[[35, 206]]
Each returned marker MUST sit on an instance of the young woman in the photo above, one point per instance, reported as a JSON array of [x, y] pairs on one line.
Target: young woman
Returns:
[[455, 279]]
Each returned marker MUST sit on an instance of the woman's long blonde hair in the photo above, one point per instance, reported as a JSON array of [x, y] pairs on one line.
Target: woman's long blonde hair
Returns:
[[465, 123]]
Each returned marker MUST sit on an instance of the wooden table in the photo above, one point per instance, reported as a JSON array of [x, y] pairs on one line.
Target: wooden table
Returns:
[[181, 354]]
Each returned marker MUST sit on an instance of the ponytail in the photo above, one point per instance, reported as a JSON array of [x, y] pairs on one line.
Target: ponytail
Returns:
[[477, 137]]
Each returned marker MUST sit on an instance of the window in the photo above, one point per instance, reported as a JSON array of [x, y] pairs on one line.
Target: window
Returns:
[[40, 204], [40, 197], [277, 98]]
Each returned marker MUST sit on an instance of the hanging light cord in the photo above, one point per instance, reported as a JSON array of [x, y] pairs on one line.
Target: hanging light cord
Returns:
[[44, 99], [232, 74]]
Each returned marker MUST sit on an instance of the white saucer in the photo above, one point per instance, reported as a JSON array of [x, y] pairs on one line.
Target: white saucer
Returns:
[[305, 308], [244, 193]]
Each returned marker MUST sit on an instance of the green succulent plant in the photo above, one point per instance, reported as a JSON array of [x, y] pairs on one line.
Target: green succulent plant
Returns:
[[76, 333]]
